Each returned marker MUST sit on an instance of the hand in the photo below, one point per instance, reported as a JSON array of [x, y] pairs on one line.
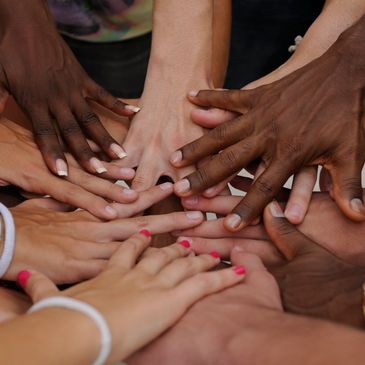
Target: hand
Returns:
[[128, 292], [52, 89], [72, 246], [284, 145]]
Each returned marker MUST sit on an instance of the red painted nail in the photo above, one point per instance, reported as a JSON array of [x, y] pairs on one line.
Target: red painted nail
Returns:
[[185, 243], [239, 270], [146, 233], [215, 254], [23, 277]]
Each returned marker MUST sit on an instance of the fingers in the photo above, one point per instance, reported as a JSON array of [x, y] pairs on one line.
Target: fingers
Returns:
[[289, 241], [262, 191], [46, 203], [160, 258], [301, 193], [146, 175], [36, 285], [211, 118], [219, 204]]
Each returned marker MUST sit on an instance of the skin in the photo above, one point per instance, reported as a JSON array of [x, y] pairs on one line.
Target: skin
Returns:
[[286, 146], [238, 323], [51, 87], [125, 286]]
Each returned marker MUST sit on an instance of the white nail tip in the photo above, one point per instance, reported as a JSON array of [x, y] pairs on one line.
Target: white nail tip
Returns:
[[135, 109]]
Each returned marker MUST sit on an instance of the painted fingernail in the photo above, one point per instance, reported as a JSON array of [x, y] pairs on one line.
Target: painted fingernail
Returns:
[[356, 205], [185, 243], [145, 233], [293, 211], [182, 186], [215, 254], [166, 186], [191, 200], [127, 172], [193, 93], [23, 277], [239, 270], [134, 108], [176, 157], [194, 215], [61, 167], [233, 221], [97, 165], [111, 211], [118, 150], [276, 210]]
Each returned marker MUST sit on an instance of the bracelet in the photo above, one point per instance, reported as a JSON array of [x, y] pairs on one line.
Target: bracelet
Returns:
[[88, 310], [9, 240]]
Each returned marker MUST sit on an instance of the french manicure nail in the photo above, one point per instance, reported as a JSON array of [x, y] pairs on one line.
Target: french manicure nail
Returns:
[[134, 108], [276, 210], [184, 243], [234, 220], [166, 186], [239, 270], [191, 200], [176, 157], [356, 205], [118, 150], [193, 93], [61, 167], [145, 232], [194, 215], [215, 254], [111, 211], [23, 277], [97, 165], [182, 186]]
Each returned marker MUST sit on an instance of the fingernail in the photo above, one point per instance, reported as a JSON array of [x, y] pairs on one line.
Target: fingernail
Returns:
[[61, 167], [356, 205], [238, 249], [118, 150], [166, 186], [193, 93], [234, 221], [182, 186], [145, 233], [194, 215], [294, 211], [176, 157], [276, 210], [134, 108], [111, 211], [184, 243], [129, 192], [209, 191], [127, 172], [239, 270], [23, 277], [191, 200], [97, 165], [215, 254]]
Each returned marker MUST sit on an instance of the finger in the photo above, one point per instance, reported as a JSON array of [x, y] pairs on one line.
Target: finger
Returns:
[[219, 204], [146, 176], [263, 191], [81, 270], [160, 258], [215, 140], [211, 118], [228, 162], [301, 193], [48, 204], [87, 250], [116, 172], [95, 130], [218, 189], [36, 285], [347, 189], [4, 95], [289, 241], [233, 100], [127, 254], [325, 181]]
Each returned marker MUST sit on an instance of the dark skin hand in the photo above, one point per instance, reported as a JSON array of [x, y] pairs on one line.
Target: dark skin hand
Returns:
[[40, 71], [314, 116]]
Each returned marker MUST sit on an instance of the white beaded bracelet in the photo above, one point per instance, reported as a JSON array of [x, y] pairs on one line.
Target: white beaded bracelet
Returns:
[[9, 240], [88, 310]]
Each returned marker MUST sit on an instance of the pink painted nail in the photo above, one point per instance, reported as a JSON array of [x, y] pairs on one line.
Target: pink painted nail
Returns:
[[215, 254], [23, 277], [184, 243], [146, 233], [239, 270]]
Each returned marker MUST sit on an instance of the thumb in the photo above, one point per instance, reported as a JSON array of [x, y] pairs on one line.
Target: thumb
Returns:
[[36, 285], [284, 235], [4, 94]]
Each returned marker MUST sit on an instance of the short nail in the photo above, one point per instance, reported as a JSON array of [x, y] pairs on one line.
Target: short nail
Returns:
[[127, 172], [111, 211], [134, 108], [194, 215], [356, 205], [239, 270], [176, 157], [293, 211], [276, 210], [191, 200], [234, 220], [193, 93], [209, 191], [61, 167], [23, 277], [184, 243], [145, 232], [166, 186], [129, 192], [215, 254], [182, 186], [97, 165], [118, 150]]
